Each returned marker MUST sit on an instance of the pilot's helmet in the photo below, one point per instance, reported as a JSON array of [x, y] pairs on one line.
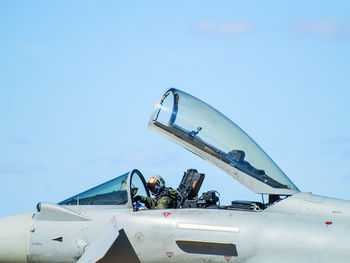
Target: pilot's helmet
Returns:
[[156, 184]]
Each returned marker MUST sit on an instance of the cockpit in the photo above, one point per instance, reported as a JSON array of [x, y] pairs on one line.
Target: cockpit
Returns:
[[121, 191], [203, 130]]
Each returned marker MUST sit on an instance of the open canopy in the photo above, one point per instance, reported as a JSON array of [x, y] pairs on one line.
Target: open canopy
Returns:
[[203, 130]]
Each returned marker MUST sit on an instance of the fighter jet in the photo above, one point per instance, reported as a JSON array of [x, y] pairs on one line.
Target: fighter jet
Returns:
[[105, 224]]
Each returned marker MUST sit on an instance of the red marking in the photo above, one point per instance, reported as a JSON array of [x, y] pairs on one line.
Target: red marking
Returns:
[[194, 184], [166, 214], [328, 223], [169, 254], [227, 258]]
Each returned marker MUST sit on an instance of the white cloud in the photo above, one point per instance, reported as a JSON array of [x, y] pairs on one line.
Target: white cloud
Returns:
[[324, 28], [19, 167], [144, 157], [20, 141], [161, 157], [337, 140], [231, 28]]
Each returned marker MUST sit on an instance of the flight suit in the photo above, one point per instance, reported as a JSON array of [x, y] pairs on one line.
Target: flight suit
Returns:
[[164, 200]]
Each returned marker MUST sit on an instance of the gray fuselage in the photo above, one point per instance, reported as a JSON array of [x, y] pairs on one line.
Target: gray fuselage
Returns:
[[301, 228]]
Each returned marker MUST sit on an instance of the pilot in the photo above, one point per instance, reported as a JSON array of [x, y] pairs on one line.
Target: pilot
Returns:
[[164, 197]]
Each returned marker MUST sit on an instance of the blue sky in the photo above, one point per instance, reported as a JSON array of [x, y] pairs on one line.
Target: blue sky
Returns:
[[79, 80]]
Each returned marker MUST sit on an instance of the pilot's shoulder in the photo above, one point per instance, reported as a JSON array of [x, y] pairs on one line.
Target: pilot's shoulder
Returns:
[[170, 191]]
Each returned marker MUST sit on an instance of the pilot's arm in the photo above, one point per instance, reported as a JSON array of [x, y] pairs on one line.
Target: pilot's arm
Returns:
[[164, 202], [148, 201]]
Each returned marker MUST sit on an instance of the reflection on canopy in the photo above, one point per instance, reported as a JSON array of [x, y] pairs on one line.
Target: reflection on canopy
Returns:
[[113, 192], [203, 127]]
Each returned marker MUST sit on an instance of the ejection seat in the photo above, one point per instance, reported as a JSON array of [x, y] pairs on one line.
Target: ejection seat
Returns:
[[187, 192]]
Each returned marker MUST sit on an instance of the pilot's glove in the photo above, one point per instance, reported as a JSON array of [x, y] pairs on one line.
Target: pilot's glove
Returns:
[[137, 198]]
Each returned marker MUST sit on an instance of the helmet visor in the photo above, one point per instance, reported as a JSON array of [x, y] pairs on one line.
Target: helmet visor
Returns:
[[152, 187]]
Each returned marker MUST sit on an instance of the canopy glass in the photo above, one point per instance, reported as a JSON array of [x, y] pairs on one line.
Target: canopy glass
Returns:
[[208, 133], [113, 192]]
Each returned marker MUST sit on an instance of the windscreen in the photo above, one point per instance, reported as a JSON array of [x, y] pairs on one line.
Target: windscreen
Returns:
[[113, 192], [200, 125]]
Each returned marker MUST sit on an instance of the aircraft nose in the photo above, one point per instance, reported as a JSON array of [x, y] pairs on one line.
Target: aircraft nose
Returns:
[[14, 238]]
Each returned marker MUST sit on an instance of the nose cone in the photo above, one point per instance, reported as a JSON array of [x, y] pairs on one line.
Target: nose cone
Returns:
[[14, 238]]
